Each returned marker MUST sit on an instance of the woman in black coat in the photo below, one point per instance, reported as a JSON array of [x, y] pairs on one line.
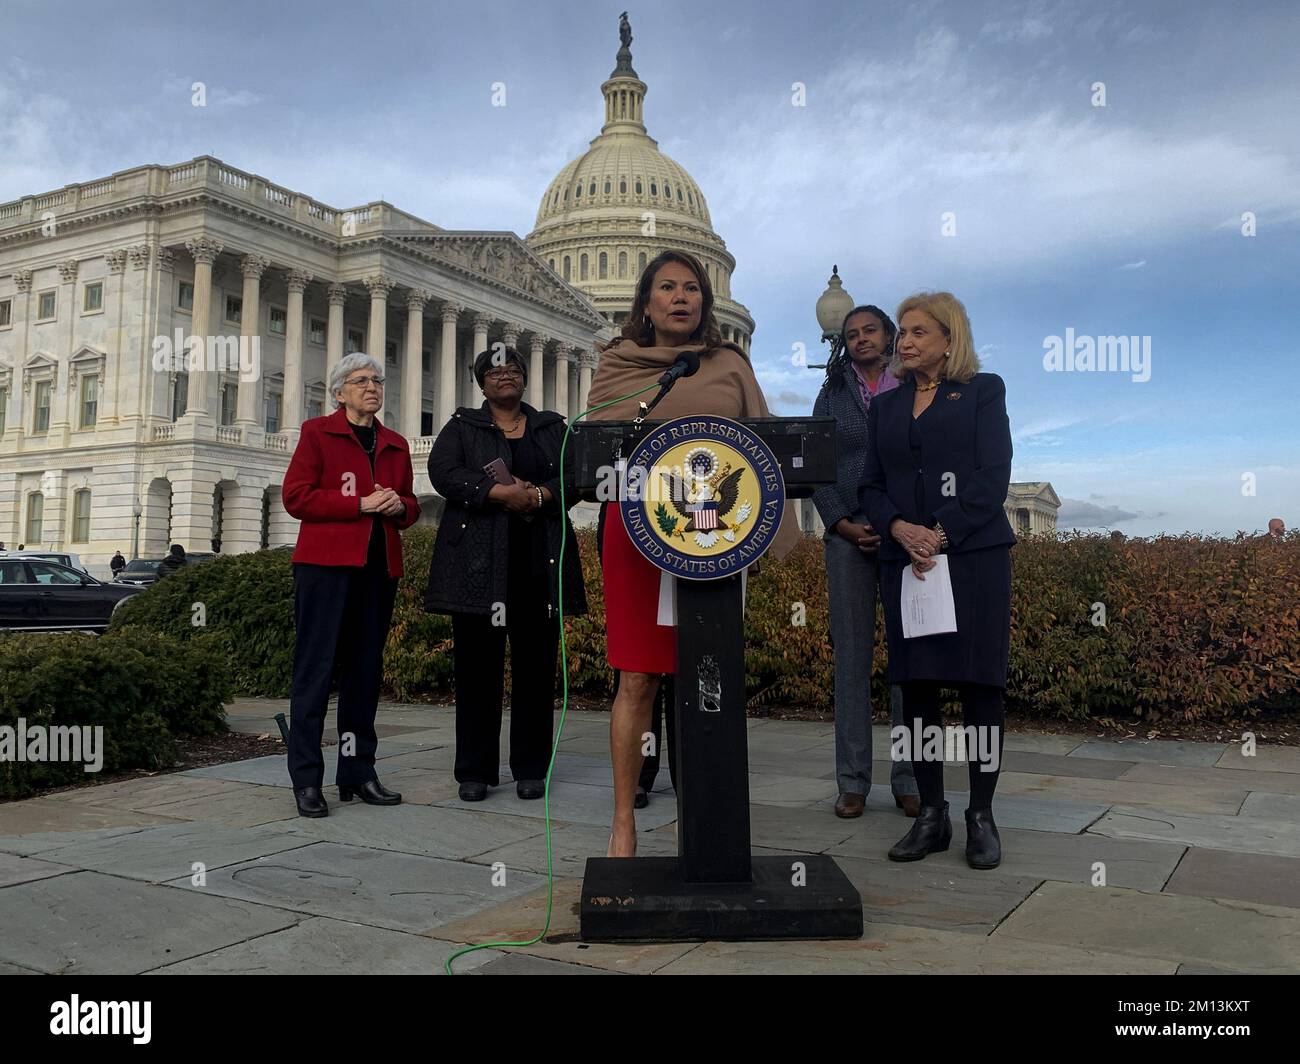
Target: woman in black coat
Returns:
[[937, 468], [496, 568]]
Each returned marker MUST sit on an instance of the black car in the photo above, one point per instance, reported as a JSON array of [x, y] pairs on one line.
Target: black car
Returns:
[[138, 572], [42, 596]]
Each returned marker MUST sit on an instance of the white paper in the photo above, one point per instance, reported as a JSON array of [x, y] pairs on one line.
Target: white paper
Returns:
[[928, 608], [667, 600]]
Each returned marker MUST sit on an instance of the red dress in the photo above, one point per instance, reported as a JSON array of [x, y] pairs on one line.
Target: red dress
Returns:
[[634, 642]]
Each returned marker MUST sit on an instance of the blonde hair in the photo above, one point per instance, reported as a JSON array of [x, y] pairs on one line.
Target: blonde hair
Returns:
[[945, 308]]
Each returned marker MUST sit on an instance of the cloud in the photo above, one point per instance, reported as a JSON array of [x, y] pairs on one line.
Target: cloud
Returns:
[[1133, 265], [1075, 513]]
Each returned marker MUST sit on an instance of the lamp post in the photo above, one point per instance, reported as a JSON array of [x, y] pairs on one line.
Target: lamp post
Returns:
[[833, 305], [136, 511]]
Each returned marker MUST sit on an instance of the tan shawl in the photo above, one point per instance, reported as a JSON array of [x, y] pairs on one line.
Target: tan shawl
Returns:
[[723, 385]]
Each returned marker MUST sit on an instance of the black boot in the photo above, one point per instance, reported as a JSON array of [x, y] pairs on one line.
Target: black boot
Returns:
[[310, 802], [983, 844], [372, 792], [931, 833]]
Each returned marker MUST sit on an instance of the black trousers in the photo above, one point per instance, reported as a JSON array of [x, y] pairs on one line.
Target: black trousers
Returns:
[[981, 706], [342, 617], [665, 712], [480, 659]]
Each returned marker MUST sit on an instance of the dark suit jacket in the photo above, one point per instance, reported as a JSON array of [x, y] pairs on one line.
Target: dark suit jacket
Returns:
[[964, 432]]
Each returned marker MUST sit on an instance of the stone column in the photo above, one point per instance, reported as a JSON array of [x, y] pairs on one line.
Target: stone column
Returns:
[[62, 401], [19, 382], [481, 324], [563, 355], [510, 338], [379, 287], [412, 367], [205, 251], [537, 373], [586, 366], [250, 340], [338, 297], [296, 281], [446, 397]]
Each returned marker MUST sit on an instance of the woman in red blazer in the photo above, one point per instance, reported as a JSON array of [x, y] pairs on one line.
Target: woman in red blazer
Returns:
[[350, 484]]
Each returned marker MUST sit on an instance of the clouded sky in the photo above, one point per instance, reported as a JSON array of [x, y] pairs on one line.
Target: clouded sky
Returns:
[[1116, 220]]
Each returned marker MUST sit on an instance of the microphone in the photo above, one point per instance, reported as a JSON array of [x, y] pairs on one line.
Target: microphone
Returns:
[[687, 365]]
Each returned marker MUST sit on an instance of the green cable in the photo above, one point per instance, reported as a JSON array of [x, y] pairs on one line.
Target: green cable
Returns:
[[564, 707]]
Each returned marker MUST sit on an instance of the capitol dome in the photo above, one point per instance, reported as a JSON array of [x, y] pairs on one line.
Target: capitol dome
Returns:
[[621, 203]]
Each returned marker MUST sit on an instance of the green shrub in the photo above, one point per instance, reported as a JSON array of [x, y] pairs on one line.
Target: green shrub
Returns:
[[1193, 627], [143, 688]]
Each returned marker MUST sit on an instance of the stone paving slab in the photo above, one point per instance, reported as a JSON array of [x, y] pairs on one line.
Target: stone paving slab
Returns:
[[1156, 751], [273, 770], [941, 891], [452, 834], [1272, 806], [572, 845], [1190, 798], [1243, 834], [593, 771], [523, 918], [1250, 877], [766, 787], [1041, 743], [89, 923], [139, 794], [14, 869], [1233, 778], [577, 803], [12, 969], [1218, 933], [1049, 855], [417, 786], [895, 949], [162, 853], [239, 805], [1265, 759], [321, 946], [803, 830], [521, 964], [44, 824], [398, 891], [1025, 761]]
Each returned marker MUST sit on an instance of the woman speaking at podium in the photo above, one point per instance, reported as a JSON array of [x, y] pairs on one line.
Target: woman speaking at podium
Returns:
[[672, 312]]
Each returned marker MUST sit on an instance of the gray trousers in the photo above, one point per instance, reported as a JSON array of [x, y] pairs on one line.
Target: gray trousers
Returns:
[[851, 581]]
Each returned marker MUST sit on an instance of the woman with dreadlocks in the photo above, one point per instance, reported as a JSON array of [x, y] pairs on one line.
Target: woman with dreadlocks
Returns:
[[857, 372]]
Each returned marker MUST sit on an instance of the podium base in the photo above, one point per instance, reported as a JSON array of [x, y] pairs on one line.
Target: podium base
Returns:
[[644, 898]]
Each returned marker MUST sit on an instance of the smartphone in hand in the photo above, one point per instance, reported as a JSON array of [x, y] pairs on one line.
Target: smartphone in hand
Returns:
[[497, 470]]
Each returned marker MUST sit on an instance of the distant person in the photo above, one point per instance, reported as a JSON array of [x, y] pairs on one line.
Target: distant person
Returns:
[[856, 374], [175, 560], [22, 546], [117, 564], [1276, 529], [2, 544]]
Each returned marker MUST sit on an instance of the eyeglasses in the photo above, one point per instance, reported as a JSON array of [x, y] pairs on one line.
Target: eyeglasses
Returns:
[[361, 382], [504, 371]]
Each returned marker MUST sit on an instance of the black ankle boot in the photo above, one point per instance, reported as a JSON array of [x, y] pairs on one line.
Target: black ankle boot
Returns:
[[372, 792], [310, 802], [931, 833], [983, 844]]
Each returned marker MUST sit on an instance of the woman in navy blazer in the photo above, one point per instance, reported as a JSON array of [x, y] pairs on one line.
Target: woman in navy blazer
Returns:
[[936, 472]]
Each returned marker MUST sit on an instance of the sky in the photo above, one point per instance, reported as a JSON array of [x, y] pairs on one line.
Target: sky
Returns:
[[1114, 169]]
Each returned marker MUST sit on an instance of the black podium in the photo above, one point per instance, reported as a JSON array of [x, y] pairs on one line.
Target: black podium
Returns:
[[715, 888]]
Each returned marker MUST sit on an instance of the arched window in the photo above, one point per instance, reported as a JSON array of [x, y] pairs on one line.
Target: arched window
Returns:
[[604, 266], [638, 186], [622, 186], [668, 190], [582, 267], [606, 186], [653, 191], [690, 198], [622, 265], [592, 191], [640, 264], [577, 191], [552, 264], [566, 195], [679, 193], [566, 267]]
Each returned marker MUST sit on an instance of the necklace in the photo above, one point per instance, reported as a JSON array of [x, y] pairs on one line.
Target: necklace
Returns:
[[931, 386], [513, 425]]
